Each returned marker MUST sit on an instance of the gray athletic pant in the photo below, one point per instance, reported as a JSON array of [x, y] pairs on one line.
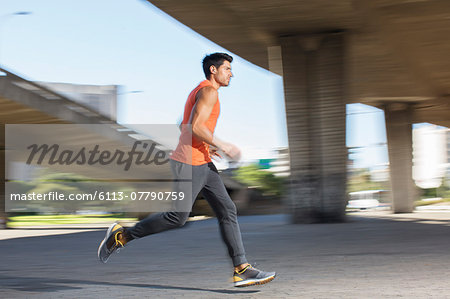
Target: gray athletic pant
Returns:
[[205, 178]]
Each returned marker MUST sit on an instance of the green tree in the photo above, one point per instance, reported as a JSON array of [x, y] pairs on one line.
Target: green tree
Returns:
[[359, 180], [254, 176]]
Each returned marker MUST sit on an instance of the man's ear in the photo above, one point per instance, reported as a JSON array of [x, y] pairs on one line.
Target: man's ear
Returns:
[[212, 69]]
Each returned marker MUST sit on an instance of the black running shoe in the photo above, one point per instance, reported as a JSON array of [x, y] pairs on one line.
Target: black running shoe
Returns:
[[250, 276], [114, 240]]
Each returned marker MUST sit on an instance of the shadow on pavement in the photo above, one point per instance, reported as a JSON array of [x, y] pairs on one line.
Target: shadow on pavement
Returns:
[[42, 284]]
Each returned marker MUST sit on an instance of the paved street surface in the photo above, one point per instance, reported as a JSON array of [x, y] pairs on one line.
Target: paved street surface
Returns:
[[373, 255]]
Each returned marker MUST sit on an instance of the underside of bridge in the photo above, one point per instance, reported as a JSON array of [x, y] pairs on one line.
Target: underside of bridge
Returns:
[[25, 102], [392, 54]]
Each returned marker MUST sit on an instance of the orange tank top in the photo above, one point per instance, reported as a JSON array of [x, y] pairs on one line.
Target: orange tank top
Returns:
[[191, 150]]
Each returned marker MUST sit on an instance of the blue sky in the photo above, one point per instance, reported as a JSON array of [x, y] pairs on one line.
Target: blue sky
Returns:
[[133, 44], [366, 136]]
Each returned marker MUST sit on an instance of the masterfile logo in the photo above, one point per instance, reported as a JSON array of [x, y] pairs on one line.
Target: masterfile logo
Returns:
[[53, 155], [94, 167], [98, 151]]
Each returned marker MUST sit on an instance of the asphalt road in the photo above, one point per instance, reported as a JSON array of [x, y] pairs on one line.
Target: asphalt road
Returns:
[[366, 257]]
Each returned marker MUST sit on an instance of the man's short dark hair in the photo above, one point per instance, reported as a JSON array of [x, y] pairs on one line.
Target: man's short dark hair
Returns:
[[215, 59]]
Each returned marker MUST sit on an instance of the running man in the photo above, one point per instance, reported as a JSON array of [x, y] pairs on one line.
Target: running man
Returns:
[[200, 113]]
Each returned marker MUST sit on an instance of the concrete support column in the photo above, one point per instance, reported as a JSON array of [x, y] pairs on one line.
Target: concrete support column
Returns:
[[313, 74], [399, 136]]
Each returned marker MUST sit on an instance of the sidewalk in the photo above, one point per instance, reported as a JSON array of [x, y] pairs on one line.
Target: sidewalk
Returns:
[[373, 255], [62, 229]]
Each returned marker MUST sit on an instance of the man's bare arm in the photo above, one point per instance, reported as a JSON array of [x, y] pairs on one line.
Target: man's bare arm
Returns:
[[207, 97]]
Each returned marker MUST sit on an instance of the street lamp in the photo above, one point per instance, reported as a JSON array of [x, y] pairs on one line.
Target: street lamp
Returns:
[[22, 13], [8, 16], [129, 92]]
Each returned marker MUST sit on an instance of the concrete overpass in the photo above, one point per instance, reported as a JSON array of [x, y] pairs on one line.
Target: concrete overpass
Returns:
[[392, 54]]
